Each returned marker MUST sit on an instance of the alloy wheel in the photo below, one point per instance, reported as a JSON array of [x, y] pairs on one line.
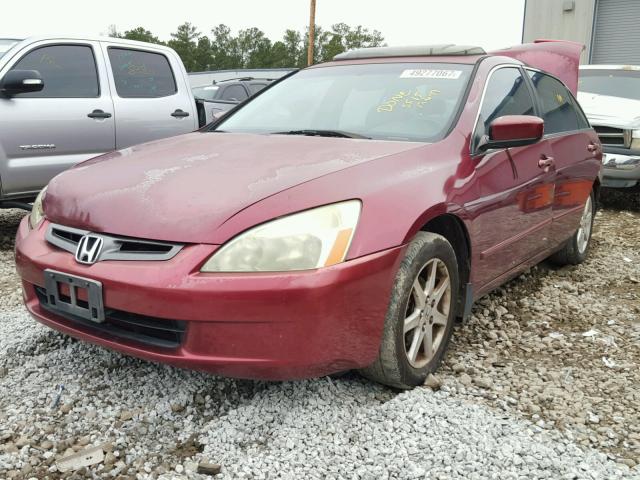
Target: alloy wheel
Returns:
[[584, 231], [427, 313]]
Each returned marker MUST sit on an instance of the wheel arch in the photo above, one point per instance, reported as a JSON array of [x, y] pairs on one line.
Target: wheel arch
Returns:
[[453, 228]]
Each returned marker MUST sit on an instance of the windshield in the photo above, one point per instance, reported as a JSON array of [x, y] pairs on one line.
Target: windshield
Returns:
[[614, 83], [6, 44], [387, 101], [207, 92]]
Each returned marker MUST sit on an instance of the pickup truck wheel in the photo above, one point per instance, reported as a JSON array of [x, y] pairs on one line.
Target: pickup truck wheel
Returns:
[[577, 247], [421, 314]]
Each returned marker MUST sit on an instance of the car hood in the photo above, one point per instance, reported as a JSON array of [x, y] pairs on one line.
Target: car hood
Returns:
[[607, 110], [183, 188]]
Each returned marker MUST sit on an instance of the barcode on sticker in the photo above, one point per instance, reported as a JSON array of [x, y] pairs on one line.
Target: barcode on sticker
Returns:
[[429, 73]]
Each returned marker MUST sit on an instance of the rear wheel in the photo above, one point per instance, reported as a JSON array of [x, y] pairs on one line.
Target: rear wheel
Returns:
[[421, 314], [577, 247]]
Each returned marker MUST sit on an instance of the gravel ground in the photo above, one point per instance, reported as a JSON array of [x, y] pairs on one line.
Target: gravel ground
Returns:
[[542, 382]]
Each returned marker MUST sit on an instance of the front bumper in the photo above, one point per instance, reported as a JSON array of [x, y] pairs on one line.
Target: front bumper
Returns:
[[620, 168], [268, 325]]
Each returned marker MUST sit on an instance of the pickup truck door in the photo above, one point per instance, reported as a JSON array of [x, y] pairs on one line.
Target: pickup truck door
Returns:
[[70, 120], [151, 96]]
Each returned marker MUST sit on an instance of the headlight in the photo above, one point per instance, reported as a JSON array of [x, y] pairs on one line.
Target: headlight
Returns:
[[635, 140], [37, 213], [302, 241]]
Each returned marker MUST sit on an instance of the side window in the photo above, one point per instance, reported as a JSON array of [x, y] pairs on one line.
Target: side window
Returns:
[[139, 74], [256, 87], [68, 71], [506, 94], [557, 105], [234, 93]]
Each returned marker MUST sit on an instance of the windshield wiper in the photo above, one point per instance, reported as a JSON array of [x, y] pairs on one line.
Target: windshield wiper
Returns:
[[323, 133]]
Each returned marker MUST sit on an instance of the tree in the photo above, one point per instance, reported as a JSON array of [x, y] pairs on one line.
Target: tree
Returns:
[[252, 49], [224, 49], [183, 41], [142, 35], [203, 55], [344, 37]]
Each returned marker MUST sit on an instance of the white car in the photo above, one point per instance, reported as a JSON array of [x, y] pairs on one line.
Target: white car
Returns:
[[610, 96]]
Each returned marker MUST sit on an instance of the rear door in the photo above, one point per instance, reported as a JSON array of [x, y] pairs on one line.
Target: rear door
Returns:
[[513, 212], [70, 120], [575, 152], [151, 97]]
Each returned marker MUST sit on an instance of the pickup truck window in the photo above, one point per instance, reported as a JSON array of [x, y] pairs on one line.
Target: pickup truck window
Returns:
[[389, 101], [68, 71], [140, 74], [614, 83], [559, 111]]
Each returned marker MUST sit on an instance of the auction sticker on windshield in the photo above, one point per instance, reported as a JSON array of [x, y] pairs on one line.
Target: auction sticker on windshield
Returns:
[[429, 73]]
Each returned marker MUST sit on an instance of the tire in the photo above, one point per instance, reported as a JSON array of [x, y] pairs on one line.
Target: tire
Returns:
[[403, 360], [576, 249]]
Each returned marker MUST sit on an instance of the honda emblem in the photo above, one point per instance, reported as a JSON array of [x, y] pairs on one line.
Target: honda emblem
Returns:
[[89, 248]]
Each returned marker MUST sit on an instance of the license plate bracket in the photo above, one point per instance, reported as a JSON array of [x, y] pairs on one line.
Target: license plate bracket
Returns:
[[90, 309]]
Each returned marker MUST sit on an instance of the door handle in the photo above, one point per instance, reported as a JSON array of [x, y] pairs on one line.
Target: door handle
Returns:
[[180, 113], [99, 114], [592, 147], [545, 163]]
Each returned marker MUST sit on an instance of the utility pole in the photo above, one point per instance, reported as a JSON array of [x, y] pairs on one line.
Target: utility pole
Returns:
[[312, 32]]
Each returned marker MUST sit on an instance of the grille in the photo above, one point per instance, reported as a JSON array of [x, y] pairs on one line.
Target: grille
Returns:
[[114, 247], [613, 136], [152, 331]]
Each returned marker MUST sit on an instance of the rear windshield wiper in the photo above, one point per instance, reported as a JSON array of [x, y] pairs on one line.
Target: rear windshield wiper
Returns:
[[323, 133]]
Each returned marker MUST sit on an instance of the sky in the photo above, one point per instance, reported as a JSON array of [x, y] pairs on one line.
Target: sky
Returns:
[[487, 23]]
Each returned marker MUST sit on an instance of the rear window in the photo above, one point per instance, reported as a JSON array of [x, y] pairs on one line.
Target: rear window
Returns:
[[558, 108], [389, 101], [140, 74], [614, 83]]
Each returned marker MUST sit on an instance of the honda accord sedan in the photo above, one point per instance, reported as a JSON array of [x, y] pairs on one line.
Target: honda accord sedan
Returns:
[[344, 218]]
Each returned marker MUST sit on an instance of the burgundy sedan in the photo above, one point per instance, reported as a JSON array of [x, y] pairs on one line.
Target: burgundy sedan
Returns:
[[343, 218]]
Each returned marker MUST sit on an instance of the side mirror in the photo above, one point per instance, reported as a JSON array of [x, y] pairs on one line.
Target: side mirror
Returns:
[[513, 131], [21, 81]]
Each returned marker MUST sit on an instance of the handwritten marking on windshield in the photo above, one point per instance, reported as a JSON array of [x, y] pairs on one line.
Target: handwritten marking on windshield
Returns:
[[407, 99]]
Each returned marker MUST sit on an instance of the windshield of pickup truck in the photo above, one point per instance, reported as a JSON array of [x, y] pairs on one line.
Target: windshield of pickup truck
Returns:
[[614, 83], [6, 44], [385, 101]]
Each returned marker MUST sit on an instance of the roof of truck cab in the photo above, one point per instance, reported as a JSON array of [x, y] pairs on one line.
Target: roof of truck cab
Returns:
[[76, 38]]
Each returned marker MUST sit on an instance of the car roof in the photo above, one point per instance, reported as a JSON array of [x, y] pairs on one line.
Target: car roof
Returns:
[[439, 50]]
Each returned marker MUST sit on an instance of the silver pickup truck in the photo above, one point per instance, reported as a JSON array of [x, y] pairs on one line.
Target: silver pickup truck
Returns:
[[610, 96], [64, 100]]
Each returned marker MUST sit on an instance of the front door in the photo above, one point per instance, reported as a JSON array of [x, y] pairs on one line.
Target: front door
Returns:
[[512, 214], [43, 133]]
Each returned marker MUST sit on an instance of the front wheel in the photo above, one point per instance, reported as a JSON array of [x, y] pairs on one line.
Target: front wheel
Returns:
[[575, 250], [421, 314]]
